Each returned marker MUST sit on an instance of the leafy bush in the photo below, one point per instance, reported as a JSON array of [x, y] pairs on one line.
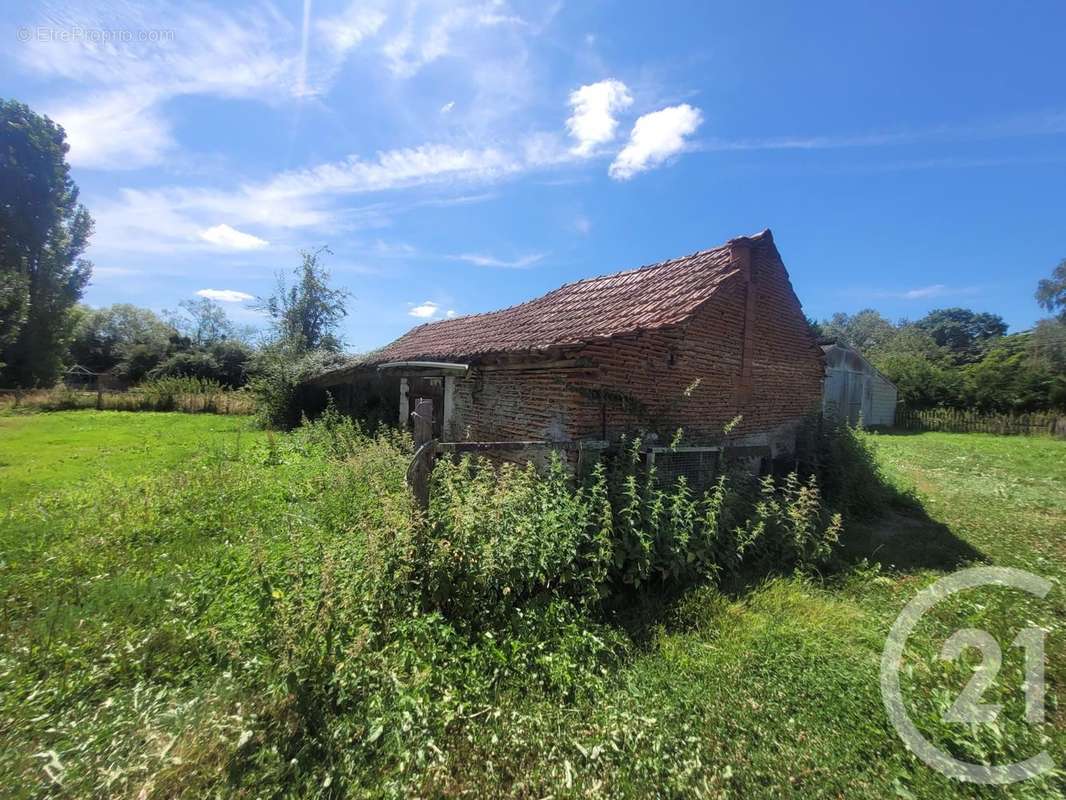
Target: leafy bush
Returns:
[[496, 539], [163, 392], [279, 373], [186, 365], [224, 365], [789, 527], [842, 460]]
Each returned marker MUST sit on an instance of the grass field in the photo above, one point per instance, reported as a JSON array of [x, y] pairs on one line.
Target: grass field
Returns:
[[41, 453], [188, 608]]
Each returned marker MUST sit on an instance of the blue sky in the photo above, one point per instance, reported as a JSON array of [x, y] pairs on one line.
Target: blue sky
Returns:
[[464, 156]]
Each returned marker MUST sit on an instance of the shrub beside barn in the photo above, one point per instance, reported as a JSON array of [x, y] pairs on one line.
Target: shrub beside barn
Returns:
[[691, 343]]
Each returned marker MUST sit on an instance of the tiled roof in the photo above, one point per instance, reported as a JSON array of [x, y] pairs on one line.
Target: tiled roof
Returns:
[[647, 298]]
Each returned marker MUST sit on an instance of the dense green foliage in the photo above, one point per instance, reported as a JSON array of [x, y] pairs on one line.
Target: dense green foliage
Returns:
[[113, 336], [269, 618], [280, 371], [958, 358], [961, 332], [136, 344], [43, 233]]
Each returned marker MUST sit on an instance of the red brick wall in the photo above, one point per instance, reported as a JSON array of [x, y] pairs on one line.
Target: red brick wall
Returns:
[[501, 405], [650, 377], [788, 364], [648, 380]]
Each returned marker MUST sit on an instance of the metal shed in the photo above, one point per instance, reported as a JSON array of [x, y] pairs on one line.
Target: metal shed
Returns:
[[855, 390]]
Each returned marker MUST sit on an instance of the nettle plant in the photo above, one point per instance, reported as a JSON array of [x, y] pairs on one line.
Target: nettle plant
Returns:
[[669, 533], [498, 537]]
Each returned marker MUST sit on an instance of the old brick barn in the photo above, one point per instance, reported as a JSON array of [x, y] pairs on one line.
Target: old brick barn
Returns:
[[691, 343]]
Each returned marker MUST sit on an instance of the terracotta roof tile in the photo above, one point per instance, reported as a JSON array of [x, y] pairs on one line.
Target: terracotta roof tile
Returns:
[[646, 298]]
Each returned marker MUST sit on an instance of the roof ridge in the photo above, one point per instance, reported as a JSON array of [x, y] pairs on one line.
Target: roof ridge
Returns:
[[758, 237], [653, 296]]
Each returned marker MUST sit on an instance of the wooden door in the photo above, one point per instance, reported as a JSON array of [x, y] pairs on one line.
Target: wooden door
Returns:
[[432, 389]]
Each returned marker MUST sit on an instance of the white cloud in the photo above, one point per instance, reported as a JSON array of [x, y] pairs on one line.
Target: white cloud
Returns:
[[447, 107], [397, 249], [582, 224], [226, 295], [225, 236], [654, 138], [351, 27], [168, 218], [430, 310], [482, 260], [593, 121], [425, 310]]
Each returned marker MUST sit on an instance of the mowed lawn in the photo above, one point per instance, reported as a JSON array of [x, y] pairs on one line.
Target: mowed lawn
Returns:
[[116, 673], [40, 453]]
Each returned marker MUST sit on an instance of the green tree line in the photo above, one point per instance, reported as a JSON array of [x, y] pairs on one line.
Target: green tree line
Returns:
[[959, 358]]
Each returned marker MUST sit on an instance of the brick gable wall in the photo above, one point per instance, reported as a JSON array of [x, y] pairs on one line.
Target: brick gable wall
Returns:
[[691, 375]]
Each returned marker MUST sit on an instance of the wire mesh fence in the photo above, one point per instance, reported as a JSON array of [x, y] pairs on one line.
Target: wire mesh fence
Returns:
[[699, 466]]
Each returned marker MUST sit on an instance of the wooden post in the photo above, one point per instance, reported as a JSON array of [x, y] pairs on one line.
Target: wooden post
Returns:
[[422, 464]]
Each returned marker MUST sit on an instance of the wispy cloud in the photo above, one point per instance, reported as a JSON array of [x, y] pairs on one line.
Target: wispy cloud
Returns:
[[351, 27], [593, 121], [225, 236], [394, 249], [158, 220], [114, 116], [391, 169], [655, 137], [936, 290], [931, 292], [430, 29], [115, 130], [225, 295], [484, 260]]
